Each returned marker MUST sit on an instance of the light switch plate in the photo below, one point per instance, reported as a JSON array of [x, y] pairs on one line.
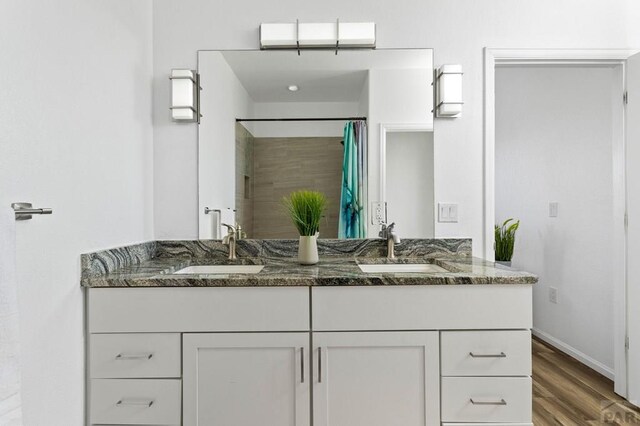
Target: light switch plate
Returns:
[[378, 212], [553, 209], [447, 213], [553, 295]]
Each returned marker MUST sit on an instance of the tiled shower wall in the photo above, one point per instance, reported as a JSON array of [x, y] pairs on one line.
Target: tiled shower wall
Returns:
[[283, 165]]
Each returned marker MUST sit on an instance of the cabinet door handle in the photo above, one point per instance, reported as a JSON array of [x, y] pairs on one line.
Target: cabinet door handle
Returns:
[[302, 364], [319, 364], [144, 402], [501, 402], [123, 356], [500, 355]]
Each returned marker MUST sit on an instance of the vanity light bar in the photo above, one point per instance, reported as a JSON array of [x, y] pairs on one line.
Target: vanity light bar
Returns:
[[332, 35], [185, 95]]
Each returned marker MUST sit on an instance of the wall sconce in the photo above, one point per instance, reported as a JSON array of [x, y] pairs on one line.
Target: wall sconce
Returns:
[[332, 35], [185, 95], [449, 91]]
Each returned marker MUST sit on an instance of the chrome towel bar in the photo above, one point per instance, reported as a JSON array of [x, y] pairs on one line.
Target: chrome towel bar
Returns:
[[25, 211]]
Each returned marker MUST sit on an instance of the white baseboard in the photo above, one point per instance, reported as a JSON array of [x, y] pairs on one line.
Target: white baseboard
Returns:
[[574, 353]]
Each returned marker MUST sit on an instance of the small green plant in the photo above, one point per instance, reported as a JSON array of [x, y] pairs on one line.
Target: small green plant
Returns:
[[306, 209], [505, 238]]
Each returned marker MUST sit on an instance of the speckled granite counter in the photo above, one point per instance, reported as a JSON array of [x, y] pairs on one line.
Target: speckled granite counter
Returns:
[[152, 264]]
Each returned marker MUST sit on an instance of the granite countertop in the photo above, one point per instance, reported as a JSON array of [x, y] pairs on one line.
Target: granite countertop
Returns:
[[153, 264]]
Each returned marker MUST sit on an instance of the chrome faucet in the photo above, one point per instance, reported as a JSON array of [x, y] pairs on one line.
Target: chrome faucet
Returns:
[[230, 240], [388, 232]]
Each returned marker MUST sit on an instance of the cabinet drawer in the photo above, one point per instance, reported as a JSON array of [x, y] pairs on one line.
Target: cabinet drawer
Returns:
[[121, 356], [486, 399], [135, 401], [486, 353], [422, 307], [197, 309]]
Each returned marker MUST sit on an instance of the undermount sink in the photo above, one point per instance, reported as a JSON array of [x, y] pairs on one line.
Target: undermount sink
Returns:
[[221, 269], [400, 268]]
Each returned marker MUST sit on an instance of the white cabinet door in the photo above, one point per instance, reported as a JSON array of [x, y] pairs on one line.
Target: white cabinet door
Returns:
[[376, 379], [246, 379]]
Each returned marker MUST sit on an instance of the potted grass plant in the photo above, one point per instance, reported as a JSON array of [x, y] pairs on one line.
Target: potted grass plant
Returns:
[[306, 209], [505, 238]]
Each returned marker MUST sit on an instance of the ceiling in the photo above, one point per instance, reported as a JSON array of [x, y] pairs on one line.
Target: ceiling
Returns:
[[321, 75]]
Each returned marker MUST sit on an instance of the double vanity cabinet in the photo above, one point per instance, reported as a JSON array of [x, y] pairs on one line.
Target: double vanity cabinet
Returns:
[[178, 336], [371, 356]]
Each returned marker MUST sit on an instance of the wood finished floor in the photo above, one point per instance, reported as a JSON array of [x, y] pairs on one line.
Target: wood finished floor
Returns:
[[566, 392]]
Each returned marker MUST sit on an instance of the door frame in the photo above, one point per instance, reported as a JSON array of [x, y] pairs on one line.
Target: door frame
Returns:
[[494, 57]]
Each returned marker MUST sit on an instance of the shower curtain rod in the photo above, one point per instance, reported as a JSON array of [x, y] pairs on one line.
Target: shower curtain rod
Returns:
[[304, 119]]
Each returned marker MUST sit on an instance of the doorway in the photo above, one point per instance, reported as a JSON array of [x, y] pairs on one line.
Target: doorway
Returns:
[[410, 181], [407, 177], [557, 136], [614, 61]]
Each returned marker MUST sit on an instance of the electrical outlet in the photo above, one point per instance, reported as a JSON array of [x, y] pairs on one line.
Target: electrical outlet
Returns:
[[553, 295], [553, 209], [447, 213], [378, 212]]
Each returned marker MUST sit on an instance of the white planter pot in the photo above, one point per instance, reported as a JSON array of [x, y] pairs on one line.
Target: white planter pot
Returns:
[[308, 250]]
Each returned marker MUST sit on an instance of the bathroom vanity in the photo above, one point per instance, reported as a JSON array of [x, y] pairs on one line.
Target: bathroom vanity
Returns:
[[328, 344]]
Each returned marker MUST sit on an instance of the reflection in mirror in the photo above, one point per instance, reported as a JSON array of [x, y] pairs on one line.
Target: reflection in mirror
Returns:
[[269, 168], [409, 179], [275, 122]]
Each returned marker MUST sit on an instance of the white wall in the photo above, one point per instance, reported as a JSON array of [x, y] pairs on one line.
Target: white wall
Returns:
[[301, 109], [457, 29], [363, 104], [223, 100], [75, 135], [409, 179], [554, 143]]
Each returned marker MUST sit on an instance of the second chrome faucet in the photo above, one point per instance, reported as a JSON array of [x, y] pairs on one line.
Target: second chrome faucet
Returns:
[[389, 233]]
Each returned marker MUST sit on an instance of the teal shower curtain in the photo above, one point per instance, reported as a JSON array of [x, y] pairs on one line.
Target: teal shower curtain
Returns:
[[352, 222]]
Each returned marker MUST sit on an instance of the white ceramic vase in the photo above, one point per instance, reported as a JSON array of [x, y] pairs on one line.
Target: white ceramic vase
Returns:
[[308, 250]]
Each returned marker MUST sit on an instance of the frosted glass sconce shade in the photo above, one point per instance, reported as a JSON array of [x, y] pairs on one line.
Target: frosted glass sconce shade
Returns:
[[185, 95], [449, 91]]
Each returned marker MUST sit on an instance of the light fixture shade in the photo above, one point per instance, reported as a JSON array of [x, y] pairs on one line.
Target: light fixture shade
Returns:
[[276, 36], [358, 34], [185, 95], [449, 91], [318, 35]]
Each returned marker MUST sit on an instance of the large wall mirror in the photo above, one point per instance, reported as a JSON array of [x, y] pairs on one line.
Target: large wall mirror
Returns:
[[275, 122]]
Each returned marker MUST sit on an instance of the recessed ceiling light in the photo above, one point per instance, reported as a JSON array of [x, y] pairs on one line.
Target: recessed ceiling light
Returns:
[[293, 88]]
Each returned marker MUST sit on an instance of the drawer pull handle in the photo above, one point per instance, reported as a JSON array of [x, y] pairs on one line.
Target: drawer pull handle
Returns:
[[500, 355], [501, 402], [134, 356], [144, 402]]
